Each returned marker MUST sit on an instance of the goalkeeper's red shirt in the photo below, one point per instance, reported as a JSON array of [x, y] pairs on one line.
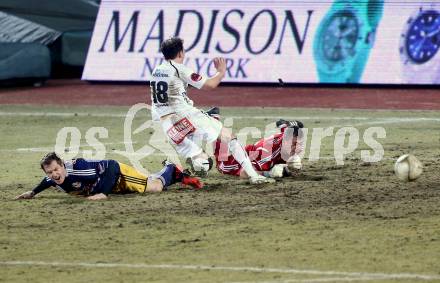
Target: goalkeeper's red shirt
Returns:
[[264, 154]]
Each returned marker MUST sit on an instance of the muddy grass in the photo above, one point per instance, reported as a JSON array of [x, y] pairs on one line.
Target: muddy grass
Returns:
[[355, 217]]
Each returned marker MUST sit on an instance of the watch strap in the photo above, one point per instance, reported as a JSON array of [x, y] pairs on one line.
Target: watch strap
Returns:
[[359, 66], [333, 78], [374, 12]]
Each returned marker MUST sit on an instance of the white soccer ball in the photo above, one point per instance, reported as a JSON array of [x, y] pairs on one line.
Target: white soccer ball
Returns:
[[201, 165], [408, 168]]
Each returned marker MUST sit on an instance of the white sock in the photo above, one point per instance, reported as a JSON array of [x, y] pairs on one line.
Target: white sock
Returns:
[[241, 156]]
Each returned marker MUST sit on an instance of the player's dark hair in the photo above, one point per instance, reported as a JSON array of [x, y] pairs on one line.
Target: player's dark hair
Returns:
[[171, 47], [48, 158]]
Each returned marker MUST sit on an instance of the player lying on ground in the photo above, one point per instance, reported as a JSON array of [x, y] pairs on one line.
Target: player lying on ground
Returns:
[[96, 179], [186, 126], [268, 155]]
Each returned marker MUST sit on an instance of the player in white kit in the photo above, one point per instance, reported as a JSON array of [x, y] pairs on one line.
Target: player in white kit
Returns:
[[186, 126]]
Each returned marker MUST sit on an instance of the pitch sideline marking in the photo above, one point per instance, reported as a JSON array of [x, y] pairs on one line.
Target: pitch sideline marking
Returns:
[[393, 120], [318, 280], [226, 268], [161, 154], [121, 115]]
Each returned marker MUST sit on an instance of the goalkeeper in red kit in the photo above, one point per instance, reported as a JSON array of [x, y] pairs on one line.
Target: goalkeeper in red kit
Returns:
[[269, 155]]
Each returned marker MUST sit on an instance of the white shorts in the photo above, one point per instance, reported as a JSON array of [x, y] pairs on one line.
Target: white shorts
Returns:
[[186, 132]]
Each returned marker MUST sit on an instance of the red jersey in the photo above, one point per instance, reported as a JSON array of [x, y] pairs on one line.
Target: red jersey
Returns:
[[264, 154]]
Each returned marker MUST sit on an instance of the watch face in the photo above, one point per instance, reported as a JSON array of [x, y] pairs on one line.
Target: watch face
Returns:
[[340, 35], [423, 38]]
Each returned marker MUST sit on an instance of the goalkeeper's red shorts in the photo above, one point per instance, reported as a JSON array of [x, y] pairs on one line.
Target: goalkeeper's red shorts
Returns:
[[229, 167]]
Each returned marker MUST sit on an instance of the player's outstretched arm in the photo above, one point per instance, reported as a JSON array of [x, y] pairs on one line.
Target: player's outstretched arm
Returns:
[[44, 184], [214, 81], [26, 195]]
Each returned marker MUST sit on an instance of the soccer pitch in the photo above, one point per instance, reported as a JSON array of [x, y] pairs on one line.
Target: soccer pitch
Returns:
[[332, 223]]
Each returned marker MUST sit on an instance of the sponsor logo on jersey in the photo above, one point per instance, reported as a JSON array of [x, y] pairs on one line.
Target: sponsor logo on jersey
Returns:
[[76, 185], [180, 130], [158, 73]]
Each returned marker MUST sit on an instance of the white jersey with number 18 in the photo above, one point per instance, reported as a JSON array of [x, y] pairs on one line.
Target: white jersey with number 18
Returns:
[[169, 89]]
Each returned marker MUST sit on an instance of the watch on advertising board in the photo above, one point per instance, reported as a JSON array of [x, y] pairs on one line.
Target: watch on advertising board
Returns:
[[344, 39], [420, 44]]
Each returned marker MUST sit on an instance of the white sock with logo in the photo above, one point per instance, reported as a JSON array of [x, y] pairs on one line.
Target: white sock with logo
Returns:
[[241, 156]]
